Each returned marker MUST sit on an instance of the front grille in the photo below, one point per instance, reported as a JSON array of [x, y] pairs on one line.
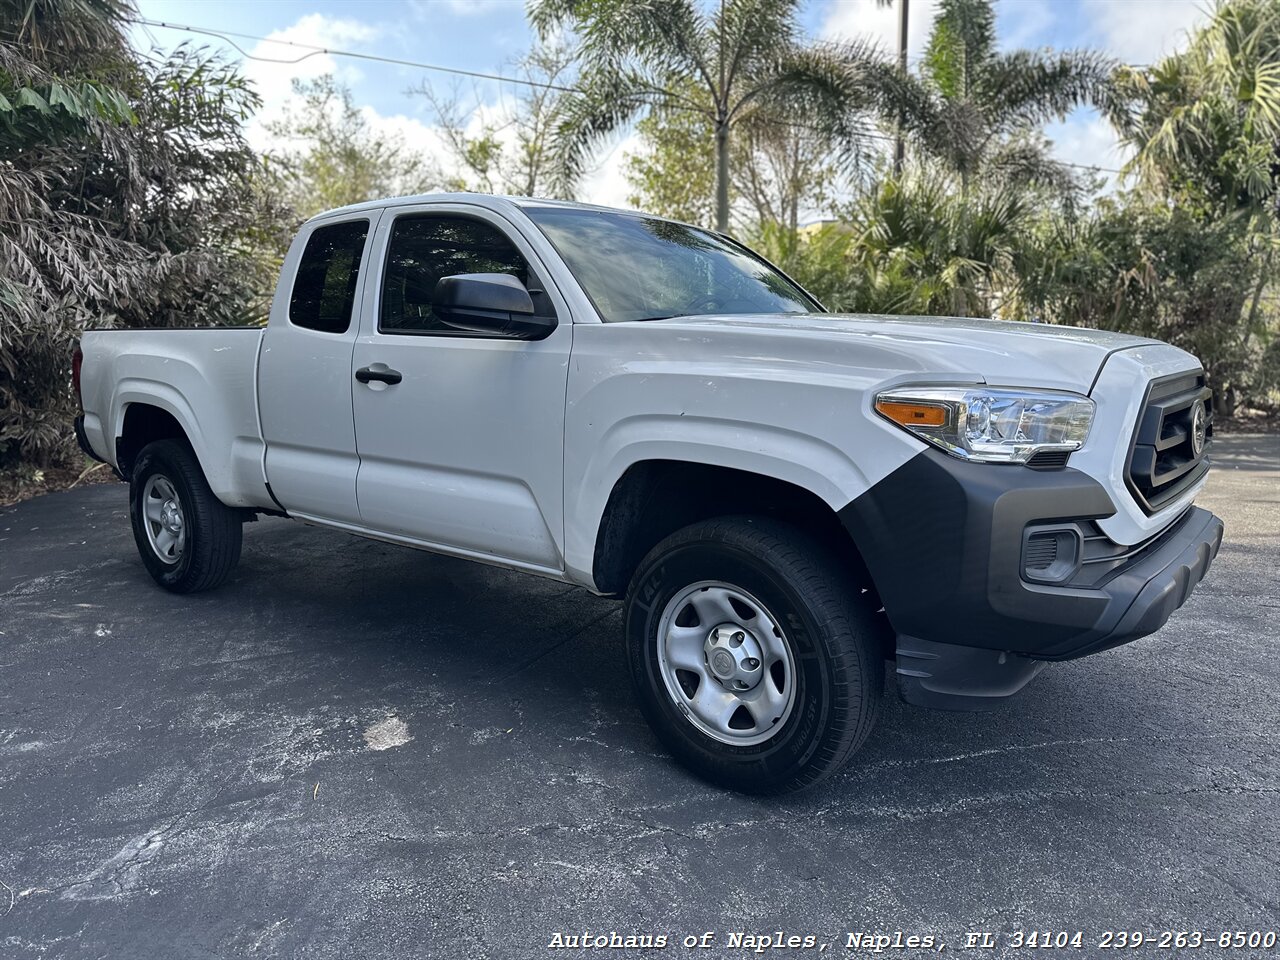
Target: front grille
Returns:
[[1163, 457]]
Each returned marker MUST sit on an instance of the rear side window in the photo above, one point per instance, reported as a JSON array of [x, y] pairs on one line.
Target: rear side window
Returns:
[[325, 288], [425, 248]]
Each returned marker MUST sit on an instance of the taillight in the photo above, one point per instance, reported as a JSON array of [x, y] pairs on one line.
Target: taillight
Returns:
[[77, 361]]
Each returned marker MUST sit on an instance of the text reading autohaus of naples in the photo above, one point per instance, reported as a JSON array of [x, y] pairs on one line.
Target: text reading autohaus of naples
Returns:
[[749, 942]]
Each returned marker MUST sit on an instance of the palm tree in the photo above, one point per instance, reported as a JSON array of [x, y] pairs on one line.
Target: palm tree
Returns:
[[911, 245], [976, 111], [640, 55], [1205, 127], [1210, 115], [956, 256]]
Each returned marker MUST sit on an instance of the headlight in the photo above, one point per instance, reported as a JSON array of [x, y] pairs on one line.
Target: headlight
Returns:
[[989, 425]]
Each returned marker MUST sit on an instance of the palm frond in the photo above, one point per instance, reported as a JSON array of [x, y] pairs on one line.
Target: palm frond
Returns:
[[1207, 118], [832, 86], [962, 40], [753, 34], [659, 35], [1030, 88], [608, 101], [1028, 163]]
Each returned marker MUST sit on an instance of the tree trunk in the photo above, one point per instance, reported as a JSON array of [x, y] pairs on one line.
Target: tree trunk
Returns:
[[1263, 276], [722, 176]]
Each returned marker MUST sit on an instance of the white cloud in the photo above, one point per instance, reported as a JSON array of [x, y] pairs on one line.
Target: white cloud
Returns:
[[471, 8], [279, 64], [867, 20], [416, 135], [604, 182], [1139, 31], [427, 9], [274, 82], [1088, 139], [1025, 23], [607, 184]]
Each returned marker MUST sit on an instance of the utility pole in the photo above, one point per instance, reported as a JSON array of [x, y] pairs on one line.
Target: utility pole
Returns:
[[899, 149], [722, 141]]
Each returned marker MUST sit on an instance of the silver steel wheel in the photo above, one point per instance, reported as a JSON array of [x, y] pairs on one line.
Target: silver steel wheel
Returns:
[[726, 663], [163, 519]]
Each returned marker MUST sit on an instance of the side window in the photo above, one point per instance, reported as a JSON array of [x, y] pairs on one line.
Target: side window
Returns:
[[425, 248], [325, 289]]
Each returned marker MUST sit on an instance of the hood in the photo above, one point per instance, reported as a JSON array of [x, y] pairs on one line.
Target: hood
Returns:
[[998, 352]]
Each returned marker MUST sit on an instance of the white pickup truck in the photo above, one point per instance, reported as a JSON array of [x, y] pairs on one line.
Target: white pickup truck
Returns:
[[784, 497]]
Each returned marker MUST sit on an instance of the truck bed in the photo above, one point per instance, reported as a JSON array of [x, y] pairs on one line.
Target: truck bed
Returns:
[[204, 377]]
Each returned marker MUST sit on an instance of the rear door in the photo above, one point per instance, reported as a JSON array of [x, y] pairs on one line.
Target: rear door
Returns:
[[304, 370], [465, 451]]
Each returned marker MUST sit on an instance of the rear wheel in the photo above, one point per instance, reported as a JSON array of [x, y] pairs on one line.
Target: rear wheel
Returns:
[[188, 539], [757, 662]]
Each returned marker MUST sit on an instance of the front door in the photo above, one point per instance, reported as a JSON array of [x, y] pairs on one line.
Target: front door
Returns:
[[464, 450]]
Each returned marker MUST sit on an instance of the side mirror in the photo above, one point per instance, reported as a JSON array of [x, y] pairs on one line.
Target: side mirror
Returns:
[[493, 303]]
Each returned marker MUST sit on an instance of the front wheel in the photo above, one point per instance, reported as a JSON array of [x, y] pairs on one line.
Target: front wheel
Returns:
[[188, 539], [756, 659]]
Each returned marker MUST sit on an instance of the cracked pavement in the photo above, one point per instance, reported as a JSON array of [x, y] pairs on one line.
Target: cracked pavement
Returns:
[[356, 750]]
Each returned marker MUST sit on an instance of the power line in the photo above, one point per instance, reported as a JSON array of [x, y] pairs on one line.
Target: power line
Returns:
[[227, 35], [313, 50]]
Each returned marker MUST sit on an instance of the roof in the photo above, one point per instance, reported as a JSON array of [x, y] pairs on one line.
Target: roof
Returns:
[[490, 201]]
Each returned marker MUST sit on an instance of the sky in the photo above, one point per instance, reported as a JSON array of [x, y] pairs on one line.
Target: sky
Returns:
[[489, 35]]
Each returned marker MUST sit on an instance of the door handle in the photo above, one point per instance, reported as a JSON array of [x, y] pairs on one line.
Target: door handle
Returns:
[[365, 374]]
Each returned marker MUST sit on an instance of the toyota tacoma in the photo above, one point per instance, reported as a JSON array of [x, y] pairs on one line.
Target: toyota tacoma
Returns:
[[783, 497]]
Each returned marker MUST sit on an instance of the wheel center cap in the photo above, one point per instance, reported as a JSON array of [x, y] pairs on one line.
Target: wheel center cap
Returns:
[[171, 517], [734, 656]]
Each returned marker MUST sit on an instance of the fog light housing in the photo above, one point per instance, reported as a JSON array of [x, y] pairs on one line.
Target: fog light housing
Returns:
[[1050, 554]]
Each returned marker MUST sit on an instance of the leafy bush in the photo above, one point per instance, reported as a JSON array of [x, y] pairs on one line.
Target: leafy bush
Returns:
[[128, 196]]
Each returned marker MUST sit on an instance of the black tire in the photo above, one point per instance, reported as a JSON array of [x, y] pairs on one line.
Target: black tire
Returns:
[[830, 626], [211, 530]]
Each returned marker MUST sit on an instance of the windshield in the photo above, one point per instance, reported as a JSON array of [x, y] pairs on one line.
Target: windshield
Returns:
[[642, 268]]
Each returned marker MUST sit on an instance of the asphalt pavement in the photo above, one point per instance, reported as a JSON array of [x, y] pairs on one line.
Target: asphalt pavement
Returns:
[[354, 750]]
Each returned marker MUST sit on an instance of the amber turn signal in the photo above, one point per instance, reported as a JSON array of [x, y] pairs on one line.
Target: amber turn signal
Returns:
[[913, 414]]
